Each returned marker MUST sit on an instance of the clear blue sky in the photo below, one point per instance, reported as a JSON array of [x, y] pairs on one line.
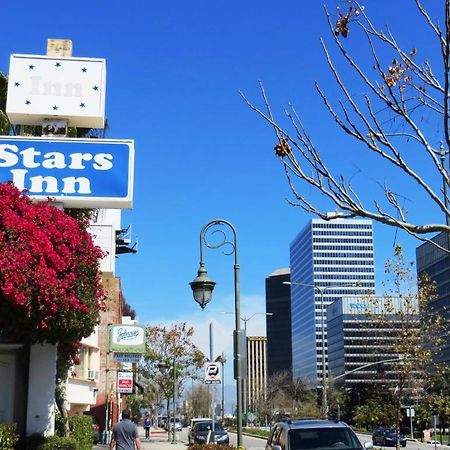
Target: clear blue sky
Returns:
[[174, 70]]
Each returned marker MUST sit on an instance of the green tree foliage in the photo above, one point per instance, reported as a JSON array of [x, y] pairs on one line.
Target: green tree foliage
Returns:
[[167, 348], [436, 399], [287, 397], [374, 413], [410, 330], [199, 401], [4, 122]]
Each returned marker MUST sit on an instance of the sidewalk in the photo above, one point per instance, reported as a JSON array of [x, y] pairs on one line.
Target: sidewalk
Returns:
[[157, 441]]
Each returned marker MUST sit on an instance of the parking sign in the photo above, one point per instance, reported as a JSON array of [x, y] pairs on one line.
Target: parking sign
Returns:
[[212, 373]]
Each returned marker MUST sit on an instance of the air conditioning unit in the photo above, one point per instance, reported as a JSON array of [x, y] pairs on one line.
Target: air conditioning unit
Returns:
[[92, 375]]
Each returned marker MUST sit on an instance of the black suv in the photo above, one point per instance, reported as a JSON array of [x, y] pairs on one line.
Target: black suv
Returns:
[[387, 436], [312, 434]]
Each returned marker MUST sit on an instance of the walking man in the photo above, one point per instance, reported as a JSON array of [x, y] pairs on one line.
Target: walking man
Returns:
[[125, 434]]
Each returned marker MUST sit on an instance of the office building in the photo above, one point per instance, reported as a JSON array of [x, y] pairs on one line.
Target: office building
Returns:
[[436, 263], [256, 371], [329, 260], [278, 325], [361, 331]]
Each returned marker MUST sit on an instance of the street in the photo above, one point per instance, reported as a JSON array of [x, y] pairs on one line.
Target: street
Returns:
[[158, 441]]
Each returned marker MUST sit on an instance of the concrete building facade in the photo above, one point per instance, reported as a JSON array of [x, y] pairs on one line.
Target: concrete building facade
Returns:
[[357, 338], [256, 370]]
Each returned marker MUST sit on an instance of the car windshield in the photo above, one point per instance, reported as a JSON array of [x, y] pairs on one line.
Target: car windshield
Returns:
[[323, 438], [206, 426]]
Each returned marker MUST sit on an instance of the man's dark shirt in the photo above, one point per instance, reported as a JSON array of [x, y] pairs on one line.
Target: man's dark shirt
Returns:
[[125, 432]]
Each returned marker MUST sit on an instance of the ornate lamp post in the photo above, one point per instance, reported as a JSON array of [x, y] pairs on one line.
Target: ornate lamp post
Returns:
[[202, 288]]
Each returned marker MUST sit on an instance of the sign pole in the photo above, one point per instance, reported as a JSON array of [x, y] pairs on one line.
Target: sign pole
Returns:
[[411, 413], [106, 432]]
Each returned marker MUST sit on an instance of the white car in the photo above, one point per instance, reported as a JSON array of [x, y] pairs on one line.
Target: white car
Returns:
[[178, 426]]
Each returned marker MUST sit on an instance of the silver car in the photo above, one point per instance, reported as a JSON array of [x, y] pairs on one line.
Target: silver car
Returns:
[[314, 434]]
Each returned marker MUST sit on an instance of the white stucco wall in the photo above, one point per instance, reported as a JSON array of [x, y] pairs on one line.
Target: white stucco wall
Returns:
[[103, 230], [92, 339], [41, 390]]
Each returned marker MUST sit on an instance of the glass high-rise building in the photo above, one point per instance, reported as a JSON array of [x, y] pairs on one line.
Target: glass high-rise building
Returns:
[[278, 325], [329, 260]]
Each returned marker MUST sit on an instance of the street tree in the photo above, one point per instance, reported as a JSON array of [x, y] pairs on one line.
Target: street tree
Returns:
[[404, 89], [200, 400], [437, 400], [4, 122], [374, 413], [410, 329], [285, 396], [170, 358]]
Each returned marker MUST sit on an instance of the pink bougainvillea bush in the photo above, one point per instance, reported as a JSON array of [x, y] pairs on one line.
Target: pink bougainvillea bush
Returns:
[[50, 287]]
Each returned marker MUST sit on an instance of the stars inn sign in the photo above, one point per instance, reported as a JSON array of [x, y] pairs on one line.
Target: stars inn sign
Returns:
[[44, 87], [80, 173]]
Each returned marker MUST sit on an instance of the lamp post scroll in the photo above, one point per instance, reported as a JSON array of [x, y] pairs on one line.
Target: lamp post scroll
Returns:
[[202, 288]]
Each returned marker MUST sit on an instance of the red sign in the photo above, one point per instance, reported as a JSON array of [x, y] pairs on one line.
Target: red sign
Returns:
[[125, 382]]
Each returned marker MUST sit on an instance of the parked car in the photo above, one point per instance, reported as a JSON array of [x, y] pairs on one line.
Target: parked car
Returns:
[[96, 437], [311, 434], [387, 436], [162, 421], [210, 431], [170, 424], [191, 426]]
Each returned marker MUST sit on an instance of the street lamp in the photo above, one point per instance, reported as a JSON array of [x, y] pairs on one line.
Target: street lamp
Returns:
[[202, 288], [246, 319], [321, 290]]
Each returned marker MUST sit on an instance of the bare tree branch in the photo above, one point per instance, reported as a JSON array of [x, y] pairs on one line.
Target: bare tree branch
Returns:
[[403, 91]]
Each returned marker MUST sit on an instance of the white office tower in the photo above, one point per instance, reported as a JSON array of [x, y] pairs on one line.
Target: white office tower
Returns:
[[329, 260]]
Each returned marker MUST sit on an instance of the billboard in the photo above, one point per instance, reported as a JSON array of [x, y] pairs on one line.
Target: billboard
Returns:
[[80, 173], [125, 382], [127, 339], [46, 87]]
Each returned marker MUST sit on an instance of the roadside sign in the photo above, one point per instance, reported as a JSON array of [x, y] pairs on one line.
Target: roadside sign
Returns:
[[80, 173], [125, 382], [42, 87], [212, 373], [127, 339]]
